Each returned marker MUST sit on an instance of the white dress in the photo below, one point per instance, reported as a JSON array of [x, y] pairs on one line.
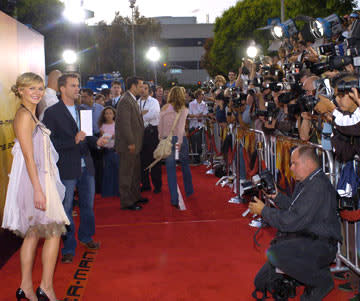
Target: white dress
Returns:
[[20, 214]]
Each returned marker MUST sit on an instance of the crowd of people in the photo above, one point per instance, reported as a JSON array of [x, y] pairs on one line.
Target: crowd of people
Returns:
[[298, 92]]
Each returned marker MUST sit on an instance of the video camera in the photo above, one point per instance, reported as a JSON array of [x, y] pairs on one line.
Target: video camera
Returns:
[[238, 98], [262, 181]]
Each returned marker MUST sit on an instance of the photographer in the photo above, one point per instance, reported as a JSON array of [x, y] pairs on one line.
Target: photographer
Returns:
[[197, 112], [346, 118], [308, 229]]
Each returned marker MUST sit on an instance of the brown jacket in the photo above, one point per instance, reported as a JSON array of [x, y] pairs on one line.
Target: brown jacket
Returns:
[[129, 125]]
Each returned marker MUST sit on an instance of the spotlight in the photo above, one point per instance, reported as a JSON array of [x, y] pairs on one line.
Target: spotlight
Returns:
[[326, 27], [69, 56], [252, 51], [153, 54], [284, 30]]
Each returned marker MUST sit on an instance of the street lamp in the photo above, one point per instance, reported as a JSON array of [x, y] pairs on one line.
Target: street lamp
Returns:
[[132, 6], [69, 57], [74, 12], [153, 54]]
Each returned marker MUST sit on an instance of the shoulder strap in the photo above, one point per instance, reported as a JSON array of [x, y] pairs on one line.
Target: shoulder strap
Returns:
[[175, 122], [32, 116]]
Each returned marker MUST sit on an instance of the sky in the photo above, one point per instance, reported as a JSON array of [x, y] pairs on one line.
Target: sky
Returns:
[[105, 9]]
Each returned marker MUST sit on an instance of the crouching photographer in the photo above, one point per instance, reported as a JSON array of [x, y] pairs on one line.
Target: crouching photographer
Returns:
[[308, 231]]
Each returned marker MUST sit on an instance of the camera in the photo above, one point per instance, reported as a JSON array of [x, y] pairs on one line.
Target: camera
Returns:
[[238, 98], [345, 86], [208, 86], [262, 181], [307, 103], [285, 98]]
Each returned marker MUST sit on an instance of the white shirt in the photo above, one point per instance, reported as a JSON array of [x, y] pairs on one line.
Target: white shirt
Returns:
[[152, 117], [196, 108], [48, 100]]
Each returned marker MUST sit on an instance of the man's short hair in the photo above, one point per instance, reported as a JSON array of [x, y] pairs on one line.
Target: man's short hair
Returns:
[[197, 93], [63, 79], [308, 152], [148, 84], [105, 92], [115, 82], [88, 91], [134, 80]]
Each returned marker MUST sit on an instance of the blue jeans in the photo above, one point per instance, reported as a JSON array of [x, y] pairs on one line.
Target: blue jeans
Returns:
[[86, 189], [171, 170]]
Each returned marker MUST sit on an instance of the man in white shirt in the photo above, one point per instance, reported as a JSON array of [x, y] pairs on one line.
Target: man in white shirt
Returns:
[[150, 111], [50, 98], [116, 92], [197, 111]]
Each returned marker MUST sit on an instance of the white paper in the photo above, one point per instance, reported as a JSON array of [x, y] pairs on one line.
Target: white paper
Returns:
[[86, 122]]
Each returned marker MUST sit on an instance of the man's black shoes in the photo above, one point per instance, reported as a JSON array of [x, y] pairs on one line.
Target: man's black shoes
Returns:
[[157, 190], [133, 207], [142, 201], [316, 293]]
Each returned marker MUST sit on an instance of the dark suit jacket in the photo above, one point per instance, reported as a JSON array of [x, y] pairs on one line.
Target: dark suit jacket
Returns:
[[129, 125], [63, 129], [110, 103]]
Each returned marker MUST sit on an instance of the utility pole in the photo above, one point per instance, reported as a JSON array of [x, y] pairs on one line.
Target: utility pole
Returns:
[[132, 6], [282, 11]]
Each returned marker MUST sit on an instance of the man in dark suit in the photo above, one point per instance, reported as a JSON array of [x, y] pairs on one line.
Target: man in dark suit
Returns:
[[116, 92], [75, 164], [129, 133]]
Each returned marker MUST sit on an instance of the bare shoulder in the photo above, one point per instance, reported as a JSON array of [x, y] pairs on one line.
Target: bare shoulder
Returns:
[[164, 108], [23, 121]]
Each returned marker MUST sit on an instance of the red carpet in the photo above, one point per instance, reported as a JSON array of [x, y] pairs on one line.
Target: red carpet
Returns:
[[163, 254]]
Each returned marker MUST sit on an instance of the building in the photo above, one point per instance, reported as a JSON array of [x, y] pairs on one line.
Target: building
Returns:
[[182, 39]]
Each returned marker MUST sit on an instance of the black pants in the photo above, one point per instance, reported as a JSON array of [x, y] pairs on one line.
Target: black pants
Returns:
[[304, 259], [150, 142], [196, 143], [97, 156]]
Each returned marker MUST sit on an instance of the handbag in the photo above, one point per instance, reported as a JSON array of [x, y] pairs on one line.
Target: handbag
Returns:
[[164, 148]]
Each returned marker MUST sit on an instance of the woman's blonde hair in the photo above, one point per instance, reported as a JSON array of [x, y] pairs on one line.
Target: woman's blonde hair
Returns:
[[220, 78], [176, 98], [26, 80]]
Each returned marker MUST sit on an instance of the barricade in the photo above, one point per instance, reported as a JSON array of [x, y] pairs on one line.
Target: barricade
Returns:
[[273, 152], [349, 251]]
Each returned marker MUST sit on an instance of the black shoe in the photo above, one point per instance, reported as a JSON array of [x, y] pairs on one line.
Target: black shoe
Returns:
[[134, 207], [92, 245], [340, 276], [157, 190], [346, 287], [145, 188], [40, 294], [316, 293], [20, 295], [176, 206], [67, 258], [142, 201]]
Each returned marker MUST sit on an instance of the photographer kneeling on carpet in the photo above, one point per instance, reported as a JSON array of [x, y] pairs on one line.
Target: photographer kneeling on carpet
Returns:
[[308, 230]]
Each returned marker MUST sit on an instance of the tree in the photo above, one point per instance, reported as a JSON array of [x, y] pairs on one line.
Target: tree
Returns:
[[238, 25], [114, 45]]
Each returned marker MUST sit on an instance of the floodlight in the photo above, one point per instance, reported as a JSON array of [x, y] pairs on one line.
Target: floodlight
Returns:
[[74, 12], [252, 51], [326, 27], [284, 30], [153, 54], [69, 56]]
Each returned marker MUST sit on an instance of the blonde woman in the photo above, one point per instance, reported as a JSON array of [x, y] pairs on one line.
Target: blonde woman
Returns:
[[33, 207], [176, 104]]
